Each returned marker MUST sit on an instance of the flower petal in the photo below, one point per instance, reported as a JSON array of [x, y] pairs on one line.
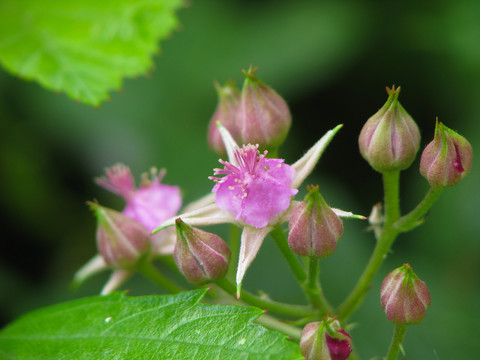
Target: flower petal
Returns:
[[251, 241], [229, 196], [348, 214], [266, 199], [92, 267], [208, 215], [200, 203], [117, 279], [118, 179], [152, 205], [304, 166], [230, 144], [163, 242]]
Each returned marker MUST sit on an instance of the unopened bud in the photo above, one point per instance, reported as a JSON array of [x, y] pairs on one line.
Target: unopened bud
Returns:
[[121, 241], [404, 297], [226, 112], [447, 159], [263, 115], [201, 256], [314, 227], [325, 340], [390, 139]]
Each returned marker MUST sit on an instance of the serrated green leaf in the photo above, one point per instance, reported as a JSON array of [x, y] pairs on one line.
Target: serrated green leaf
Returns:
[[149, 327], [83, 47]]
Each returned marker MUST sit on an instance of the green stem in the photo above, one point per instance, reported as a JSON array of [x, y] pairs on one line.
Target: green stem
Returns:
[[281, 240], [387, 236], [147, 269], [313, 269], [391, 188], [313, 289], [274, 324], [410, 220], [396, 341], [267, 304]]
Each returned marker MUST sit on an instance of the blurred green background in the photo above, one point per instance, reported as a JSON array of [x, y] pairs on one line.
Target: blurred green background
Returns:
[[331, 61]]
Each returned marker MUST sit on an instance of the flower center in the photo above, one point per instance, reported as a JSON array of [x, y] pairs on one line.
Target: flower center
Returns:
[[248, 159]]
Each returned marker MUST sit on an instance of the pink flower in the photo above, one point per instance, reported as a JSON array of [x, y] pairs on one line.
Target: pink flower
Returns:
[[257, 189], [150, 204], [255, 194]]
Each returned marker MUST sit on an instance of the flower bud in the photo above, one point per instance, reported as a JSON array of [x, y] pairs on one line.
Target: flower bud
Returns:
[[324, 340], [226, 112], [314, 227], [121, 241], [201, 256], [263, 116], [404, 297], [447, 159], [390, 139]]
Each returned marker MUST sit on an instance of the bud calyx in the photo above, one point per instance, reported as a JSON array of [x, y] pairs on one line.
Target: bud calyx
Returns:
[[390, 139], [201, 256], [447, 159]]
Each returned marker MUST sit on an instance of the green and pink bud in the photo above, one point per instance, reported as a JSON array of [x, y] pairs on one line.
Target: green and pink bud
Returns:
[[201, 256], [390, 139], [447, 159], [121, 241], [225, 113], [314, 227], [263, 115], [404, 297], [325, 340]]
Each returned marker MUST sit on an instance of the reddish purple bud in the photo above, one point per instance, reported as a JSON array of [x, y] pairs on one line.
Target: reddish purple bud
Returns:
[[390, 139], [325, 340], [314, 227], [201, 256], [121, 241], [404, 297], [340, 347], [226, 112], [263, 115], [447, 159]]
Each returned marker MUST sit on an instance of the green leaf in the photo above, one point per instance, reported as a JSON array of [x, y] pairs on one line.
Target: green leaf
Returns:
[[83, 47], [149, 327]]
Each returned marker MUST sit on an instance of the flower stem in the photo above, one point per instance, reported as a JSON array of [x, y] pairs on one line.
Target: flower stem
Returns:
[[313, 269], [274, 324], [263, 303], [387, 236], [313, 289], [396, 341], [410, 220], [147, 269], [391, 188], [281, 240]]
